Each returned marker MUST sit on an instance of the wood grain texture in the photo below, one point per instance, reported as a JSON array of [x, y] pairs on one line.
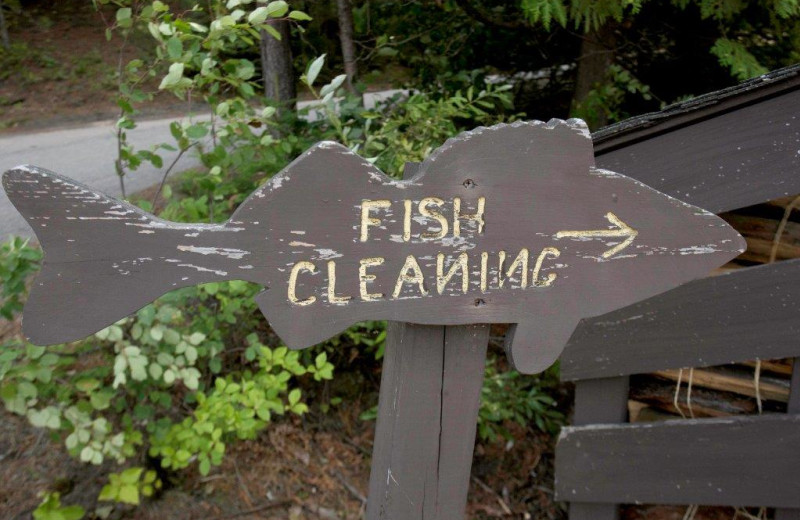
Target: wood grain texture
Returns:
[[601, 241], [792, 408], [745, 314], [427, 417], [794, 392], [696, 109], [728, 161], [743, 461], [723, 150], [598, 401]]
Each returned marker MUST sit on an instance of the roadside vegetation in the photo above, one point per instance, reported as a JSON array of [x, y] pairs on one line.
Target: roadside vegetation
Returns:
[[159, 400]]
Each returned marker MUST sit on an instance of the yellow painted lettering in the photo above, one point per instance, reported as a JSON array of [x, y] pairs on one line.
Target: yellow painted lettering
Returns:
[[300, 266], [551, 277], [425, 212], [332, 298], [417, 278], [364, 278], [484, 271], [442, 279], [477, 216], [407, 220], [521, 261], [367, 221]]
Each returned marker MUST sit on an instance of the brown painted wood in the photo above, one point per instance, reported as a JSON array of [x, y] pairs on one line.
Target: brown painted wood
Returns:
[[742, 461], [745, 314], [427, 418], [697, 109], [792, 408], [598, 401], [441, 385], [794, 392], [602, 241], [718, 160]]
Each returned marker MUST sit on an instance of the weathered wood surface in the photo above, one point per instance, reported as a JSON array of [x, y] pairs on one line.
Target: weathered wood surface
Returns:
[[746, 314], [508, 224], [427, 418], [792, 408], [722, 151], [599, 401], [659, 395], [742, 461]]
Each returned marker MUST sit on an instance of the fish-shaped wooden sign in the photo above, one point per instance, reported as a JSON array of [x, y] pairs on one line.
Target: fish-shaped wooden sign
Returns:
[[507, 224]]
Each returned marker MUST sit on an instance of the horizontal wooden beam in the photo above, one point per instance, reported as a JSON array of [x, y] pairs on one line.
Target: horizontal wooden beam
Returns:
[[726, 161], [743, 461], [745, 314]]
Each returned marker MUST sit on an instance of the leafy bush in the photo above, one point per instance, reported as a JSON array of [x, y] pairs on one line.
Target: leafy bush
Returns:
[[507, 395], [18, 261], [198, 369], [51, 509]]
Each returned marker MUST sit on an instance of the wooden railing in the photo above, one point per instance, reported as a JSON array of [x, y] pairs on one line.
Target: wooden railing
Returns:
[[723, 151]]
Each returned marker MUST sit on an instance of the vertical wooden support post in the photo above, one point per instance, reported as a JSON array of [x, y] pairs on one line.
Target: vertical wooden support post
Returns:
[[599, 401], [792, 407], [427, 418]]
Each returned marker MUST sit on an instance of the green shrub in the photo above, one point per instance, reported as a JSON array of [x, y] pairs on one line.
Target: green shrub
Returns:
[[18, 261]]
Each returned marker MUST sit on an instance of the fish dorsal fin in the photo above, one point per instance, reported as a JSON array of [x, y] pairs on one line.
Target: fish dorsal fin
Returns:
[[324, 158], [535, 145]]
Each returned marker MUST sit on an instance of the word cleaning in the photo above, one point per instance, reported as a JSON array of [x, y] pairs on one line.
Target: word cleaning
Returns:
[[454, 273]]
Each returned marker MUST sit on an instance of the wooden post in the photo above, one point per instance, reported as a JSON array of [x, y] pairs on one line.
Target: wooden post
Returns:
[[599, 401], [794, 408], [427, 417]]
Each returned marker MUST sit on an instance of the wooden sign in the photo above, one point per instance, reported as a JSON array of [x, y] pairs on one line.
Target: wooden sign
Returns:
[[507, 224]]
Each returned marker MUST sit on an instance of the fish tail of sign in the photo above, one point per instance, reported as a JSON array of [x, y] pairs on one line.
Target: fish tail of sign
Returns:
[[532, 348], [99, 256]]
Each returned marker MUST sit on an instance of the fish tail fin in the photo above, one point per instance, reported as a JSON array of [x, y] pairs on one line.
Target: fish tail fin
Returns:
[[83, 285]]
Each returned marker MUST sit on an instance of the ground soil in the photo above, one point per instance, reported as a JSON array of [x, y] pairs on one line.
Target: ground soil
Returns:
[[61, 69]]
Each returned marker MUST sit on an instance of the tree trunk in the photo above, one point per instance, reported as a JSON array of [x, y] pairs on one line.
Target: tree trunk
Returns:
[[597, 55], [276, 64], [4, 28], [348, 45]]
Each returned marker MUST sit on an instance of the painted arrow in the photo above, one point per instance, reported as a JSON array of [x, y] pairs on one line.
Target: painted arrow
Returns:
[[623, 230]]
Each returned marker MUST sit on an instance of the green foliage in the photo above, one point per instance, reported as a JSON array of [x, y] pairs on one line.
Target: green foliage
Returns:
[[51, 509], [510, 396], [604, 101], [17, 262], [737, 58], [130, 485], [237, 408], [545, 12]]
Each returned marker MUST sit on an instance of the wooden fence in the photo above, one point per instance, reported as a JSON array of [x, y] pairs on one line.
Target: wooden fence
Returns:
[[723, 151]]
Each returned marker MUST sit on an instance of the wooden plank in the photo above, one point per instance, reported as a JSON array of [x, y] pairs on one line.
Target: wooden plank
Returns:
[[697, 109], [405, 452], [601, 401], [427, 418], [647, 390], [742, 461], [768, 388], [507, 224], [598, 401], [464, 366], [745, 314], [731, 160], [792, 408]]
